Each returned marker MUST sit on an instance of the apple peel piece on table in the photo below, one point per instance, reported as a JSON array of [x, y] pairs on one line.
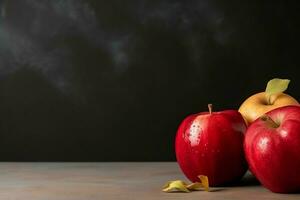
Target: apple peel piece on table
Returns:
[[203, 184], [181, 186], [175, 186]]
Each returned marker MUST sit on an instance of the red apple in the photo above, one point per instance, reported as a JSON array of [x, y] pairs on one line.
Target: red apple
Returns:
[[272, 148], [211, 144]]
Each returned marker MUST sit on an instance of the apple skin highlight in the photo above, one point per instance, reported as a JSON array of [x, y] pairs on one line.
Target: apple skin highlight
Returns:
[[272, 151], [211, 144]]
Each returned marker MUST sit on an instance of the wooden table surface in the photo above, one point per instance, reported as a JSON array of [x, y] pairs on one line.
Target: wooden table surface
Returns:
[[106, 181]]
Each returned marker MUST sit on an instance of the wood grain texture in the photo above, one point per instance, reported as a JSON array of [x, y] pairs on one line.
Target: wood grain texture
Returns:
[[107, 181]]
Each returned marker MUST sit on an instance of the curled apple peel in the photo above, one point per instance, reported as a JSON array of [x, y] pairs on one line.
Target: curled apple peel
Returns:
[[181, 186]]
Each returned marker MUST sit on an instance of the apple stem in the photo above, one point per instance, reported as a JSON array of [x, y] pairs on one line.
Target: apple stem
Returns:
[[210, 108], [269, 120], [269, 100]]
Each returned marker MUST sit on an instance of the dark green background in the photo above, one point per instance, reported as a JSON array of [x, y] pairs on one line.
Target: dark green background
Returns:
[[88, 80]]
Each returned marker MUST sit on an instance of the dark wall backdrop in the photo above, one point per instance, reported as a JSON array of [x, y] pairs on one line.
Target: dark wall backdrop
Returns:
[[95, 80]]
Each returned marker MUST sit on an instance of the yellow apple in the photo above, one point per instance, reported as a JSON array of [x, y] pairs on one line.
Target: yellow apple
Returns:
[[273, 97], [258, 104]]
